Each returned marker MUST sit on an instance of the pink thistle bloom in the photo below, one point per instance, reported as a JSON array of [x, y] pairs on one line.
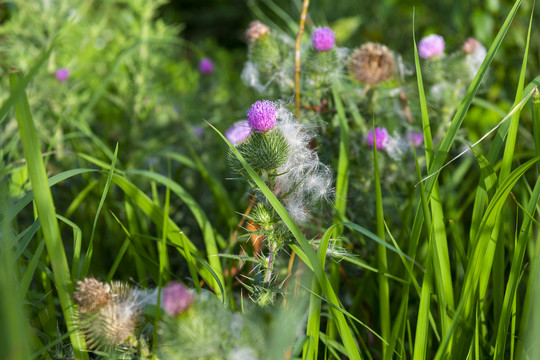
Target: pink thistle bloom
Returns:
[[206, 66], [176, 298], [62, 74], [381, 137], [238, 132], [430, 46], [416, 138], [262, 116], [323, 38]]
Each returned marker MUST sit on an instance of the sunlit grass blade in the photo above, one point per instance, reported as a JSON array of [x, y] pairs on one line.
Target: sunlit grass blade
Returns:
[[47, 214]]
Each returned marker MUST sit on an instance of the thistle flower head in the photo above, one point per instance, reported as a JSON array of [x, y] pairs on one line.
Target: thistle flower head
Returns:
[[176, 298], [262, 116], [62, 74], [323, 38], [256, 30], [430, 46], [198, 131], [91, 294], [372, 63], [238, 132], [206, 66], [381, 138]]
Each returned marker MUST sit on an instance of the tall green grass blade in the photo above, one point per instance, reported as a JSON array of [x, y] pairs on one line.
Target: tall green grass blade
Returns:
[[442, 275], [515, 270], [384, 288], [15, 331], [90, 250], [481, 258], [536, 121], [506, 166], [450, 136], [312, 260], [342, 184], [47, 214]]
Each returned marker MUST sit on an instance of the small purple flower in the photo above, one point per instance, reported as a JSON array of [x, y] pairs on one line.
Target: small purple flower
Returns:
[[323, 38], [381, 137], [415, 137], [176, 298], [262, 116], [430, 46], [198, 131], [206, 66], [238, 132], [62, 74]]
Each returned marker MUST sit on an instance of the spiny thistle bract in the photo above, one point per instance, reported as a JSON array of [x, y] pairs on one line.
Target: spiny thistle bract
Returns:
[[263, 151], [372, 63]]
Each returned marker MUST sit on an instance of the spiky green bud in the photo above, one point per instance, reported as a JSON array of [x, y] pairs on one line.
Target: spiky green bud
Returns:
[[264, 151], [322, 62], [264, 53]]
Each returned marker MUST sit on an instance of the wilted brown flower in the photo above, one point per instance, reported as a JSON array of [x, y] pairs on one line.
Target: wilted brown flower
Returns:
[[256, 30], [372, 63], [91, 294]]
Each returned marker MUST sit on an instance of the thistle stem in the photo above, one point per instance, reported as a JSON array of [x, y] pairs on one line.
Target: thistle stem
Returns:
[[270, 264], [303, 16]]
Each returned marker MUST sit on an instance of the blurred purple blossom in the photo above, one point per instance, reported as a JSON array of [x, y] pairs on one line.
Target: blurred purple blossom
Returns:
[[430, 46], [62, 74], [323, 38], [381, 137], [206, 66], [176, 298], [238, 132], [415, 137]]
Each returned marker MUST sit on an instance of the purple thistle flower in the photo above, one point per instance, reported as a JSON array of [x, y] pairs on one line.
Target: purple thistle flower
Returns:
[[176, 298], [206, 66], [381, 137], [238, 132], [430, 46], [323, 38], [62, 74], [416, 138], [262, 116]]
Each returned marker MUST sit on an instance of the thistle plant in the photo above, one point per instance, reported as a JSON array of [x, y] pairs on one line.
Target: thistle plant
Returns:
[[278, 149]]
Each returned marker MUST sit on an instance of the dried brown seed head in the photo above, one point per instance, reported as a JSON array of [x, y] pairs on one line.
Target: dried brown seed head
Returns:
[[372, 63], [256, 30]]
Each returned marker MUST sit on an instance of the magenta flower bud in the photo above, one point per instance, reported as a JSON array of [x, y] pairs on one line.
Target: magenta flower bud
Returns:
[[238, 132], [430, 46], [415, 137], [176, 298], [62, 74], [381, 137], [262, 116], [206, 66], [323, 38]]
